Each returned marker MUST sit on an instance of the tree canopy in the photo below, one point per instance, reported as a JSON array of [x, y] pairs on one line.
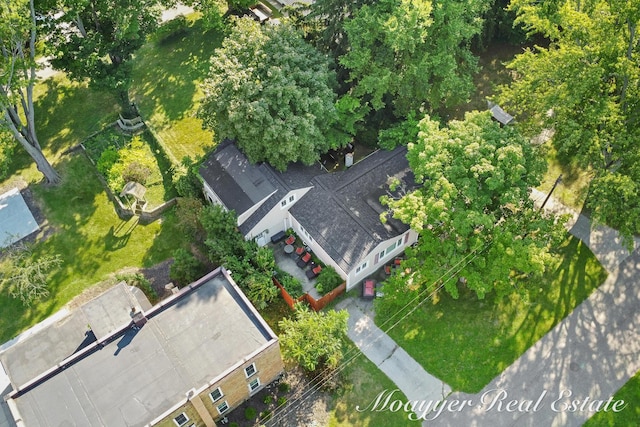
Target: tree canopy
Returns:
[[17, 79], [408, 54], [476, 222], [586, 87], [314, 339], [272, 92], [97, 39]]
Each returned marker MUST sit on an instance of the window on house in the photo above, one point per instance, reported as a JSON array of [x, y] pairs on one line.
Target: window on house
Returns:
[[390, 248], [181, 419], [362, 267], [283, 203], [216, 394], [292, 198], [223, 407], [250, 370], [254, 384]]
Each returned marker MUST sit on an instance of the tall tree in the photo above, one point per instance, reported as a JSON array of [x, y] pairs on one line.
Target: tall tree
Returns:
[[96, 39], [272, 92], [476, 222], [408, 54], [314, 340], [586, 87], [17, 79]]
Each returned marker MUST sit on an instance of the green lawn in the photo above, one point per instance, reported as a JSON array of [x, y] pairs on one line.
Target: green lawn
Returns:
[[468, 342], [629, 416], [93, 242], [166, 87]]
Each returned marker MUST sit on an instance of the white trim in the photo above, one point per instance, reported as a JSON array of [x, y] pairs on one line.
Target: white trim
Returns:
[[225, 403], [362, 267], [186, 419], [252, 390], [255, 370], [221, 395]]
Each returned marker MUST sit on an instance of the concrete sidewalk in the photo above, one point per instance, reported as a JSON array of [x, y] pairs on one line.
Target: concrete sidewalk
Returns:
[[409, 376]]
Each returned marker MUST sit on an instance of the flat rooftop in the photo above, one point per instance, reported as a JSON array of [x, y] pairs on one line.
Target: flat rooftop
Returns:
[[16, 219], [188, 340]]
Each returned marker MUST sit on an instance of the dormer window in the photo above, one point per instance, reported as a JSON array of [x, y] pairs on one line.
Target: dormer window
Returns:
[[287, 201]]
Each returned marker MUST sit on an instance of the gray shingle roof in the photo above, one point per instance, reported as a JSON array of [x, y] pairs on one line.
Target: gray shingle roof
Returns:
[[342, 211], [238, 183]]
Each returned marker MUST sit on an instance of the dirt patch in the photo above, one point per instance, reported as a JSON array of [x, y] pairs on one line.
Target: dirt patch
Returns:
[[290, 401]]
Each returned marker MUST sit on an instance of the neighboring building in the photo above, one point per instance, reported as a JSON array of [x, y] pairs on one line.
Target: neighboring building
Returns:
[[192, 358], [337, 214]]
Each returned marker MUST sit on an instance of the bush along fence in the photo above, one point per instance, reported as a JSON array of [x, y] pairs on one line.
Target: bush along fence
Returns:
[[123, 211], [317, 305]]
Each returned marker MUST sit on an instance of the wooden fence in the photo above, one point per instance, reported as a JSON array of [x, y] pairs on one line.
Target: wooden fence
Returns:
[[317, 305]]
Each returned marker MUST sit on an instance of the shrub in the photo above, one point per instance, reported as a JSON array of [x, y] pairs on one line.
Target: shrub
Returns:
[[292, 285], [185, 268], [268, 399], [282, 400], [284, 387], [136, 172], [328, 280], [185, 179], [139, 281], [188, 211], [107, 159], [234, 424], [250, 413]]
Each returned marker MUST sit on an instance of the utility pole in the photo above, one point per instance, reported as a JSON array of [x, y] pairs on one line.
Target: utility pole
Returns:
[[555, 184]]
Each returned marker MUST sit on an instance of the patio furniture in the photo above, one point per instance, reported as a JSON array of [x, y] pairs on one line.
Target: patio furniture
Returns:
[[368, 289], [304, 260], [299, 250], [290, 240], [313, 272], [278, 236], [387, 270], [397, 261], [288, 249]]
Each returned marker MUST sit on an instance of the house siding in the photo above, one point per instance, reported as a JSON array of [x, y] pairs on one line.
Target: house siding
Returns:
[[245, 215], [212, 196], [274, 220], [375, 262], [234, 386]]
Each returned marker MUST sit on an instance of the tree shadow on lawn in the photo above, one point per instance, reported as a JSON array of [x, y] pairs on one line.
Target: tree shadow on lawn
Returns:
[[166, 73], [68, 112], [561, 290]]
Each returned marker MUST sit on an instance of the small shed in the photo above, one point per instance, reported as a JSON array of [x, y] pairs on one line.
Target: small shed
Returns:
[[500, 115], [134, 193]]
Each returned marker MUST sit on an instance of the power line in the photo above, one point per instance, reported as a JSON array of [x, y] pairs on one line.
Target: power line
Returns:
[[314, 386]]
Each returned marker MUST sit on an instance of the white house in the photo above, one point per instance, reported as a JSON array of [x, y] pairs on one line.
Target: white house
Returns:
[[336, 214]]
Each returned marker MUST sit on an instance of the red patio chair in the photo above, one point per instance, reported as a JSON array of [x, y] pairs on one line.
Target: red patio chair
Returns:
[[290, 240], [299, 250], [304, 260]]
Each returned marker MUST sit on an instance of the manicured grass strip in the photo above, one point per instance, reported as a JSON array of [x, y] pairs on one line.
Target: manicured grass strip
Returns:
[[467, 342], [629, 416], [362, 383], [92, 241], [167, 89]]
